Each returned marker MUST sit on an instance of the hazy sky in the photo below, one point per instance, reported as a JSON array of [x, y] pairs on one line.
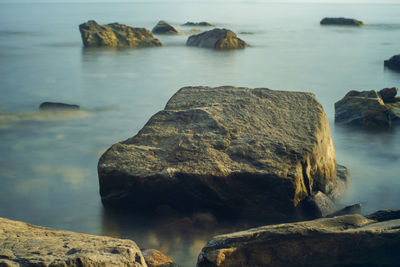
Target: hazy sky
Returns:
[[133, 1]]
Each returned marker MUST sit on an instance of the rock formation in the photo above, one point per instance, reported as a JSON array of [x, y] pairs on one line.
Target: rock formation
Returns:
[[164, 27], [22, 244], [393, 62], [197, 24], [350, 240], [116, 35], [57, 106], [220, 39], [341, 21], [253, 152], [367, 108]]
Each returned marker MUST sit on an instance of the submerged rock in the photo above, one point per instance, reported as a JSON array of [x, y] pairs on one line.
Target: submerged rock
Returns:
[[164, 27], [57, 106], [22, 244], [350, 240], [217, 39], [393, 62], [197, 24], [341, 21], [155, 258], [365, 108], [116, 35], [250, 152]]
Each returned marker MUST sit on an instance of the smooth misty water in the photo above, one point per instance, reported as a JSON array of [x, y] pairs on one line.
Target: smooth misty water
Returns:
[[48, 162]]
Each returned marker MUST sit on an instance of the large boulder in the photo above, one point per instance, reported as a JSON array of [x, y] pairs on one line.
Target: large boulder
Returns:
[[116, 35], [365, 108], [254, 152], [22, 244], [341, 21], [350, 240], [216, 39], [197, 24], [393, 62], [164, 27]]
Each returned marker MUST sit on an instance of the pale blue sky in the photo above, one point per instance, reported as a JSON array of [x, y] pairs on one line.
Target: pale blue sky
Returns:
[[133, 1]]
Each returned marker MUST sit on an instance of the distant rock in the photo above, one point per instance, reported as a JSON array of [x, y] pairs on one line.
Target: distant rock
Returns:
[[22, 244], [155, 258], [116, 35], [239, 151], [366, 108], [164, 27], [220, 39], [57, 106], [197, 24], [341, 21], [393, 62], [388, 95], [350, 240]]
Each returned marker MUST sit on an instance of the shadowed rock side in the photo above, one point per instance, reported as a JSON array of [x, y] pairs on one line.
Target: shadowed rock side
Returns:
[[155, 258], [57, 106], [350, 240], [22, 244], [341, 21], [220, 39], [249, 152], [164, 27], [116, 35], [367, 108], [393, 62], [197, 24]]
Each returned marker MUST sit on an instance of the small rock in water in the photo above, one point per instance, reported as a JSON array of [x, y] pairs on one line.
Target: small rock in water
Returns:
[[220, 39], [196, 24], [341, 21], [388, 95], [164, 27], [155, 258], [57, 106], [393, 63]]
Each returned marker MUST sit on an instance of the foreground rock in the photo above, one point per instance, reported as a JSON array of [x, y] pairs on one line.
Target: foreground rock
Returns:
[[341, 21], [116, 35], [393, 62], [197, 24], [57, 106], [155, 258], [22, 244], [164, 27], [250, 152], [350, 240], [367, 108], [217, 39]]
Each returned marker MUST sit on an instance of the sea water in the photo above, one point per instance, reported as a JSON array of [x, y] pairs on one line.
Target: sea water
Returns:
[[48, 162]]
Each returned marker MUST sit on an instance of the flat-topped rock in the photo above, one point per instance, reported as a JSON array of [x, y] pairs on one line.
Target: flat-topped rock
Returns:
[[341, 21], [367, 108], [22, 244], [164, 27], [220, 39], [350, 240], [197, 24], [116, 35], [58, 106], [250, 152], [393, 62]]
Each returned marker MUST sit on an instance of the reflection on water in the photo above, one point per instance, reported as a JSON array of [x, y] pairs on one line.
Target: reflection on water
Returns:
[[48, 161]]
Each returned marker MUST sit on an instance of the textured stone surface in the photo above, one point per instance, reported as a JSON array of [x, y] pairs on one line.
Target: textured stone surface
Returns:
[[341, 21], [116, 35], [220, 39], [22, 244], [197, 24], [164, 27], [365, 108], [253, 152], [57, 106], [393, 62], [350, 240], [155, 258]]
